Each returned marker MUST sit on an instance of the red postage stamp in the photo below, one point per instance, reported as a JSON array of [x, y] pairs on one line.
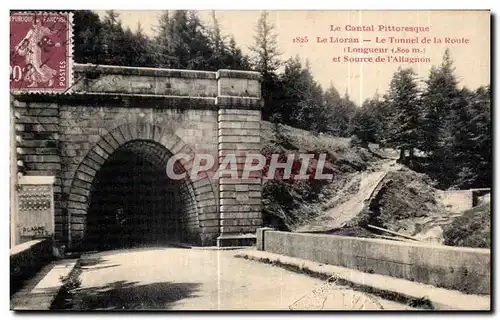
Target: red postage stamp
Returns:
[[41, 52]]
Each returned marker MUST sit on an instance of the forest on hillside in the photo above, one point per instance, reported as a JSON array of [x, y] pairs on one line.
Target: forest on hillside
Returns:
[[439, 127]]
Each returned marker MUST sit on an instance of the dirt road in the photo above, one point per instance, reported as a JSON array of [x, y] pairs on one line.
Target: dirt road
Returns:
[[346, 204]]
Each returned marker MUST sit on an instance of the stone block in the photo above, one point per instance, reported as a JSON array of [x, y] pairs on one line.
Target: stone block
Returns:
[[238, 87], [244, 146], [227, 187], [240, 181], [209, 223], [260, 235], [240, 202], [242, 208], [239, 139], [240, 132], [241, 187], [238, 117], [241, 222], [241, 215], [77, 198], [240, 111], [238, 229]]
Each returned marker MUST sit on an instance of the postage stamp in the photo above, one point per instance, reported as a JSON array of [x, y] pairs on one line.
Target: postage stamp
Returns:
[[41, 52]]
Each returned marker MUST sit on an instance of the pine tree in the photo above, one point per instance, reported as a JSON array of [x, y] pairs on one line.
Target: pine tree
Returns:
[[367, 122], [341, 116], [332, 101], [159, 45], [470, 145], [217, 60], [235, 59], [403, 98], [266, 60], [182, 41], [142, 49], [114, 38], [438, 102], [88, 33], [301, 101], [265, 48]]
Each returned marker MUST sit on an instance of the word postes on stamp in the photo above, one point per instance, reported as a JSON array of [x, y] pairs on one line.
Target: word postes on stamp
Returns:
[[41, 52]]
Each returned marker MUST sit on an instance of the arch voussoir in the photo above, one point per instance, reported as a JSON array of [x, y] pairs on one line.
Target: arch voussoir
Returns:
[[96, 157], [125, 131], [134, 132], [168, 139], [101, 151], [78, 198], [118, 136], [158, 133], [108, 137], [144, 131], [148, 141], [106, 146]]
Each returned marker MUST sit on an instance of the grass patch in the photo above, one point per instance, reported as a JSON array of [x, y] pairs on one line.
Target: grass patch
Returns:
[[64, 299], [472, 229]]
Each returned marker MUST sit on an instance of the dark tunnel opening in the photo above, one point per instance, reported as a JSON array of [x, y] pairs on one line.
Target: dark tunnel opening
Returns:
[[133, 202]]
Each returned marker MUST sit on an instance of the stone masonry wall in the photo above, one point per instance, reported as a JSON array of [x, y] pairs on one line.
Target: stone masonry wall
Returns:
[[70, 136], [239, 134], [37, 132], [455, 268]]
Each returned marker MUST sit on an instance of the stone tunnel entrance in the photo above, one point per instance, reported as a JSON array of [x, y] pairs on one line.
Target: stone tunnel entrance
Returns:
[[105, 144], [134, 203]]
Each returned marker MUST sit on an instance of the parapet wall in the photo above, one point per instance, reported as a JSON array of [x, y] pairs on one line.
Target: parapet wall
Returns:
[[147, 81], [464, 269], [27, 259]]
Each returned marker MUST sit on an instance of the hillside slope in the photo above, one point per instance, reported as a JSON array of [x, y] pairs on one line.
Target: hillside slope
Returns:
[[289, 204], [369, 188]]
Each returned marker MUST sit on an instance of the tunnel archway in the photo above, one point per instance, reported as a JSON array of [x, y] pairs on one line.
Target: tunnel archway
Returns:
[[133, 202], [120, 194]]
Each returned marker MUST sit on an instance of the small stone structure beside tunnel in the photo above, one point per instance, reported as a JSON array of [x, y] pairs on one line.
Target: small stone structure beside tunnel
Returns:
[[113, 114]]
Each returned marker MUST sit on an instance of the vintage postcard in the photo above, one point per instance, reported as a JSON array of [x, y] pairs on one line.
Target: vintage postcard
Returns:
[[250, 160]]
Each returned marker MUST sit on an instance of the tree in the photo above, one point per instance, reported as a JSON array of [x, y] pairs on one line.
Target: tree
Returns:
[[367, 122], [182, 41], [301, 101], [114, 40], [403, 98], [438, 101], [218, 44], [225, 54], [88, 37], [332, 101], [159, 44], [265, 48], [470, 145], [142, 49], [235, 59], [266, 60], [341, 116]]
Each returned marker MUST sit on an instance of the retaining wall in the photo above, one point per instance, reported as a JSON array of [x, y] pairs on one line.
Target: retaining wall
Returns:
[[28, 258], [464, 269]]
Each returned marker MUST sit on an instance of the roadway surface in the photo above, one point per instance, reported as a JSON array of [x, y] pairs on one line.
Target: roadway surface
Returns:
[[159, 278]]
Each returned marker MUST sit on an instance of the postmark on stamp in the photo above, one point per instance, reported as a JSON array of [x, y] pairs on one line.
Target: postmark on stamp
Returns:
[[41, 52], [333, 296]]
